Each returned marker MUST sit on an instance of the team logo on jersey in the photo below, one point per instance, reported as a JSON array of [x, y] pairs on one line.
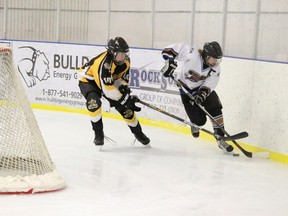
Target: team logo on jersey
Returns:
[[194, 76], [34, 66]]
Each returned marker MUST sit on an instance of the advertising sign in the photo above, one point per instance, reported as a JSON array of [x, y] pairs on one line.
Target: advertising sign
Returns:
[[50, 73]]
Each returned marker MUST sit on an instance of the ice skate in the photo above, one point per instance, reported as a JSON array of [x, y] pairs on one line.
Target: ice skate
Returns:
[[142, 138], [225, 146], [99, 140], [195, 132]]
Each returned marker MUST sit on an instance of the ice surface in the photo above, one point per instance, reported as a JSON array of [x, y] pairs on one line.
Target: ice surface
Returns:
[[178, 176]]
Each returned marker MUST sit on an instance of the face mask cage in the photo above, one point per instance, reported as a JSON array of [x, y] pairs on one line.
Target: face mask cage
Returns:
[[122, 61], [218, 61]]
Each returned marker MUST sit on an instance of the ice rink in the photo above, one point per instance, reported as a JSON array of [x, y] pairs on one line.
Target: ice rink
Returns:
[[178, 176]]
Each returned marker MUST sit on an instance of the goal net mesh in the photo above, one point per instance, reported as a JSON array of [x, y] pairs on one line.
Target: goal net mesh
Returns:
[[25, 163]]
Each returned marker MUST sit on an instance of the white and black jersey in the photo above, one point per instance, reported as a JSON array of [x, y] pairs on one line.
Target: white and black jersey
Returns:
[[195, 73]]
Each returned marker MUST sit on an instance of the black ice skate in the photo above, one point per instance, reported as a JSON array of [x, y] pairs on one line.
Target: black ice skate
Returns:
[[99, 139], [142, 138]]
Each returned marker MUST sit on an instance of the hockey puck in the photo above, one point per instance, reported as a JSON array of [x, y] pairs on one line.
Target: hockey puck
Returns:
[[235, 154]]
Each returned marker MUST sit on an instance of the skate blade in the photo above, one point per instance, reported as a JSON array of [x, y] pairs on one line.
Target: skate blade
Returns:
[[99, 147], [148, 145]]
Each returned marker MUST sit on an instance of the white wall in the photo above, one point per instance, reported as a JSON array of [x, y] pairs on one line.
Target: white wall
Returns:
[[245, 28], [255, 99]]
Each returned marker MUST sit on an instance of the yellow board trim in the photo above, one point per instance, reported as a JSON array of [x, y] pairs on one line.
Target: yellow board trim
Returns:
[[274, 156]]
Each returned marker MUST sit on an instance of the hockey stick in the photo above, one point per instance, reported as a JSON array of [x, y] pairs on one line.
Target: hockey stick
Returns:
[[263, 155], [233, 137]]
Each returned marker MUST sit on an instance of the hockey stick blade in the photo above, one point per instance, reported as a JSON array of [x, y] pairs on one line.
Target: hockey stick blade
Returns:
[[258, 155], [261, 155], [240, 135]]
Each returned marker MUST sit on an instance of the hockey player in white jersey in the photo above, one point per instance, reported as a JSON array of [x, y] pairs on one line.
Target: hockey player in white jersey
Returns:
[[200, 75]]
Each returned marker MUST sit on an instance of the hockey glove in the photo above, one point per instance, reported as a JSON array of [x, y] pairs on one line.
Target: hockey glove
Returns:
[[200, 96], [169, 68], [129, 102], [124, 89]]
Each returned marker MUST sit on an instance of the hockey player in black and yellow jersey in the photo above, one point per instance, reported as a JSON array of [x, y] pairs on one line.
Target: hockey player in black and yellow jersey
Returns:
[[110, 78]]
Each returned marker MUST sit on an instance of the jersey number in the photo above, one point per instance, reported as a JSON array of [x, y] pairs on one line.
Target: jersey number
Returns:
[[108, 80]]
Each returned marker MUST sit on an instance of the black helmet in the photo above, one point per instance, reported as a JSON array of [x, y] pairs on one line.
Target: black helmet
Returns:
[[212, 49], [117, 44]]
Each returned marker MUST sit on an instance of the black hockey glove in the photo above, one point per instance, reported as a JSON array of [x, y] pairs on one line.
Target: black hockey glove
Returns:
[[200, 96], [129, 101], [124, 89], [169, 68]]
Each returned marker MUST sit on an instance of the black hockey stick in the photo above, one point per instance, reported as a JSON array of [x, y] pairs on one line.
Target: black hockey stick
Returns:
[[245, 152], [233, 137]]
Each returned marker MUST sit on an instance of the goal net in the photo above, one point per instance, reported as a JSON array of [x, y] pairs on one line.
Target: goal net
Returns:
[[25, 163]]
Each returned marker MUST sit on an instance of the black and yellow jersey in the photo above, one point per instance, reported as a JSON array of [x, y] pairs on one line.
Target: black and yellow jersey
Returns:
[[107, 75]]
